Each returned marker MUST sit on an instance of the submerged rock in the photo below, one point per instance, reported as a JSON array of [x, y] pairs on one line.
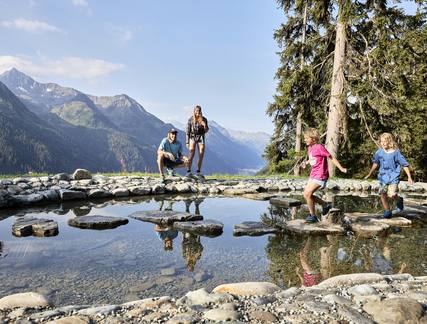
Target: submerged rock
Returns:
[[165, 217], [207, 227], [28, 225], [253, 229]]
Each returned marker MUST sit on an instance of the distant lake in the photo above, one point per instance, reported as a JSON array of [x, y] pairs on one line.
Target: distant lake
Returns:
[[129, 262]]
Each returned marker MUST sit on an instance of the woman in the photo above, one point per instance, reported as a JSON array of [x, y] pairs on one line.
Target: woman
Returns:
[[197, 127]]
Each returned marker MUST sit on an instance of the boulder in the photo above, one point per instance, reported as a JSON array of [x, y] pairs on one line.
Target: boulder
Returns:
[[81, 174], [97, 222], [253, 229], [28, 199], [350, 279], [28, 225], [247, 288], [61, 176], [99, 193], [395, 310], [202, 297], [28, 299], [66, 194]]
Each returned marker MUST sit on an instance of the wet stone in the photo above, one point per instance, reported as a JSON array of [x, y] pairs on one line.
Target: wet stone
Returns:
[[253, 229], [285, 202], [165, 217], [207, 227], [66, 194], [97, 222], [301, 227], [26, 226]]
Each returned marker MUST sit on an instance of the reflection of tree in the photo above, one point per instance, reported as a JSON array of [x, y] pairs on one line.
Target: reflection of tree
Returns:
[[192, 250]]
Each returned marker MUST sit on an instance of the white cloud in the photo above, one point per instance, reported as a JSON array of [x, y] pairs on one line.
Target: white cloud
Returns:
[[67, 67], [123, 34], [80, 3], [30, 25]]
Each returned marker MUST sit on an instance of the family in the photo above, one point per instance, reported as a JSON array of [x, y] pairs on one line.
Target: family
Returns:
[[388, 158]]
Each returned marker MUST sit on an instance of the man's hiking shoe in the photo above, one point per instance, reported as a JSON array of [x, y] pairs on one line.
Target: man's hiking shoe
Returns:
[[189, 174], [171, 173], [162, 179], [200, 176], [387, 214], [311, 219], [326, 208], [399, 205]]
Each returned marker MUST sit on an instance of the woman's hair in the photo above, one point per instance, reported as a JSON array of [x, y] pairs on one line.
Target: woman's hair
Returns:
[[195, 119], [389, 138], [313, 133]]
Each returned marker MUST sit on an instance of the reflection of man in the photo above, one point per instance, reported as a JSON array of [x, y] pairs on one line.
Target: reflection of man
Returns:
[[191, 250], [1, 248], [169, 153], [167, 235]]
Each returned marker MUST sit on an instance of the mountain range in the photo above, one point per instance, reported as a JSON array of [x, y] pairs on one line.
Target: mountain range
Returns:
[[49, 128]]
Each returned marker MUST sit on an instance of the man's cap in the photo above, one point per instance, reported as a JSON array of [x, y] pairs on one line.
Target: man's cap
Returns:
[[173, 130]]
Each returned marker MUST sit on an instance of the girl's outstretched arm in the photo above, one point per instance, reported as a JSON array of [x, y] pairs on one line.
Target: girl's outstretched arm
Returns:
[[338, 165], [374, 166], [408, 173]]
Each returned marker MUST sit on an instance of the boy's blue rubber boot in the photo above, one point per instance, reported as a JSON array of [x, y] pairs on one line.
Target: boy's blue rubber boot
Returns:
[[399, 204], [387, 214], [326, 208], [311, 219]]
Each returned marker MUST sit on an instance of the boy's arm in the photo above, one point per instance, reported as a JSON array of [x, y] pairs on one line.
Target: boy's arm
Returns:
[[374, 166], [408, 173], [337, 164]]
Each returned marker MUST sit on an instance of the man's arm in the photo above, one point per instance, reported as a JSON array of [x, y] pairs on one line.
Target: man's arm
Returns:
[[374, 166], [187, 133], [338, 164]]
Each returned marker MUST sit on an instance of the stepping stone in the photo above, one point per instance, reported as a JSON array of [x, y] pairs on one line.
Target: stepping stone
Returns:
[[262, 196], [164, 217], [394, 221], [26, 226], [207, 227], [301, 227], [368, 229], [97, 222], [253, 229], [285, 202]]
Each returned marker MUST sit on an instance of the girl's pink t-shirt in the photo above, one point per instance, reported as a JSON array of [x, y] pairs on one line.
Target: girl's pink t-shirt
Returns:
[[318, 159]]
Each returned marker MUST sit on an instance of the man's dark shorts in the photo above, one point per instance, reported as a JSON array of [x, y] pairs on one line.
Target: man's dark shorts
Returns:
[[172, 164]]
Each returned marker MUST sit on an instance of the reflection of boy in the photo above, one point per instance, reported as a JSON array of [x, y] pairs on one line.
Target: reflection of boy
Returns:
[[191, 250], [167, 235]]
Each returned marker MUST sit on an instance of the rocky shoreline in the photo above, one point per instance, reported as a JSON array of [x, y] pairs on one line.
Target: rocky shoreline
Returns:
[[354, 298], [30, 191]]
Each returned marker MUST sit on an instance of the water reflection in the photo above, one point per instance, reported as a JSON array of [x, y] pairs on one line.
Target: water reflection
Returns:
[[1, 248], [166, 234], [192, 250]]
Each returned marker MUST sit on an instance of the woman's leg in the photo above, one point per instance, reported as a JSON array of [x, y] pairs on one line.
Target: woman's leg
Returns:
[[191, 148], [310, 198], [201, 154]]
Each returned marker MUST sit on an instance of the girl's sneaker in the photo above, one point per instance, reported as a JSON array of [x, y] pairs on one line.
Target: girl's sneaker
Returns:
[[387, 214], [311, 219], [399, 204], [326, 208], [200, 176]]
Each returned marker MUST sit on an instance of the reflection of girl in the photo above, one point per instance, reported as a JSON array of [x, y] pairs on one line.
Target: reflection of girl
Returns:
[[191, 250], [311, 276], [197, 127]]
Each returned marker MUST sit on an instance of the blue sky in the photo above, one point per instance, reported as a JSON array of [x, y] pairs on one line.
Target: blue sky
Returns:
[[169, 55]]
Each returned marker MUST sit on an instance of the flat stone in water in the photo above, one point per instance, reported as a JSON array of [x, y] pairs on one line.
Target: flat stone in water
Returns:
[[320, 228], [164, 217], [26, 226], [286, 202], [253, 229], [260, 196], [97, 222], [207, 227], [368, 229]]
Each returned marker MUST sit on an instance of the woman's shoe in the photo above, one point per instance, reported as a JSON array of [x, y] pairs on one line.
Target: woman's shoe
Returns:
[[311, 219]]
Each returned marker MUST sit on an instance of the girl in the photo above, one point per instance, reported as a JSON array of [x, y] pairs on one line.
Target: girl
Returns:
[[318, 159], [197, 127], [389, 158]]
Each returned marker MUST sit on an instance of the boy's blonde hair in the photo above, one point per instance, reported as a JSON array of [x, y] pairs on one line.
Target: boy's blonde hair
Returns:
[[313, 133], [389, 138]]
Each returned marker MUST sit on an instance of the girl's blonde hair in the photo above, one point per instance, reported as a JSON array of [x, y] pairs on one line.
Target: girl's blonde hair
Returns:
[[313, 133], [389, 138]]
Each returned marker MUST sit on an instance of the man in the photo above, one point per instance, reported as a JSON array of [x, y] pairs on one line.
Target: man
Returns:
[[169, 153]]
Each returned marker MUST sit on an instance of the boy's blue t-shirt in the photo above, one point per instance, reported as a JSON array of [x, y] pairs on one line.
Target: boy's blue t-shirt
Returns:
[[390, 164], [174, 148]]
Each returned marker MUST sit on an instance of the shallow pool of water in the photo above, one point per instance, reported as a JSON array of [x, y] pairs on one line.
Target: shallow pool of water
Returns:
[[133, 261]]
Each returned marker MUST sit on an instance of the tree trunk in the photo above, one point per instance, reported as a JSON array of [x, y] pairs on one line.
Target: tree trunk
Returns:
[[298, 132], [337, 108]]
